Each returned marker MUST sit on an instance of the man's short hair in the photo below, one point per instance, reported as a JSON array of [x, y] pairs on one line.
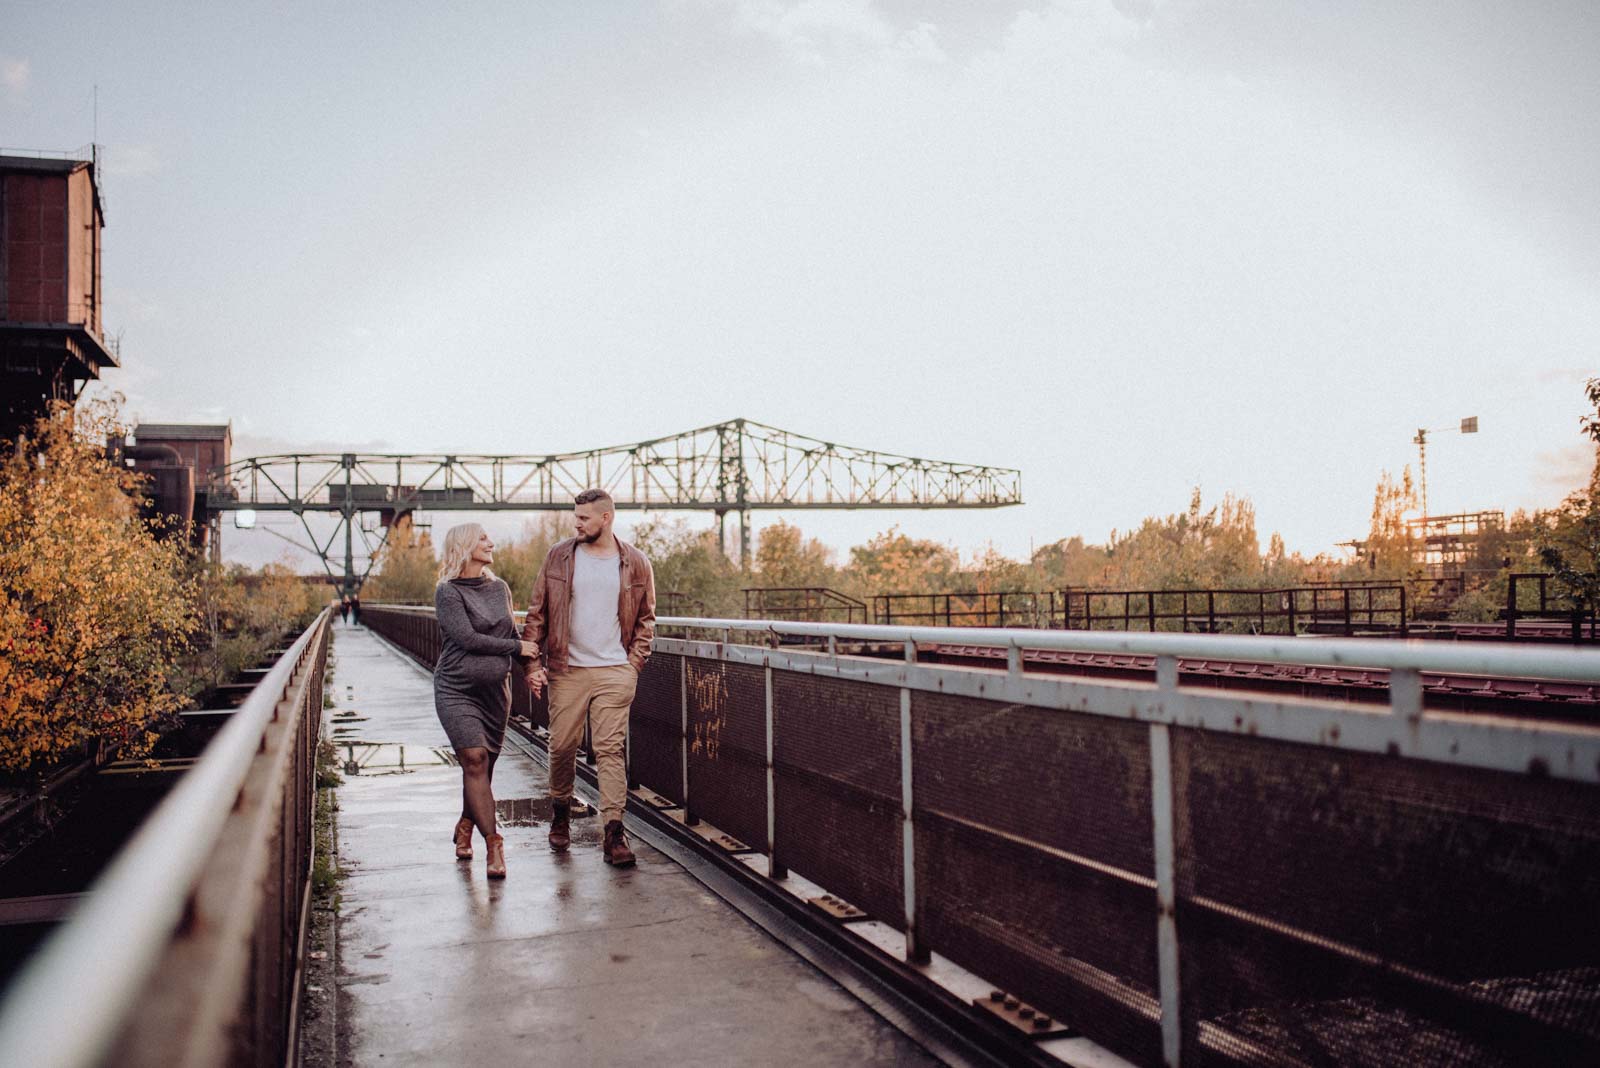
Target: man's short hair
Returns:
[[596, 496]]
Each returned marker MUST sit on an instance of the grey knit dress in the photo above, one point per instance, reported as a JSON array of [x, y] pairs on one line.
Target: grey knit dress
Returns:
[[472, 680]]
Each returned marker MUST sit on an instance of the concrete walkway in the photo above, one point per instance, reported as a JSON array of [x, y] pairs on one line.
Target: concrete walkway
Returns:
[[566, 962]]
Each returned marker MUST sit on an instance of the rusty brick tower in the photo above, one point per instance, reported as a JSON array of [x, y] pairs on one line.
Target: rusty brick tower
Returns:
[[52, 339]]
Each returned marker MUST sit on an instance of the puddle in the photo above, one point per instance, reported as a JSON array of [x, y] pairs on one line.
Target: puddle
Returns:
[[385, 758]]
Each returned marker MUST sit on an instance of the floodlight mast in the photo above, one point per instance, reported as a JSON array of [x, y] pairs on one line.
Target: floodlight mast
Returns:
[[1469, 425]]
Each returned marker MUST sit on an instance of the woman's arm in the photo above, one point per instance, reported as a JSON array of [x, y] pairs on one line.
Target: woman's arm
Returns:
[[529, 651], [457, 626]]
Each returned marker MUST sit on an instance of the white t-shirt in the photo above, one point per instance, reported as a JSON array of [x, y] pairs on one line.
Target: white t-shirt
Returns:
[[596, 632]]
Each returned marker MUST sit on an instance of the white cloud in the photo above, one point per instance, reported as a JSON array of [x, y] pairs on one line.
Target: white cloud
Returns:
[[15, 74]]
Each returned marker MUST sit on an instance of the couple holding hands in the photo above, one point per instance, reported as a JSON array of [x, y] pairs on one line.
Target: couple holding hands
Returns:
[[587, 634]]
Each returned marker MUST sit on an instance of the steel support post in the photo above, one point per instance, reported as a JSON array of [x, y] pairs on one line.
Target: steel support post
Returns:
[[916, 951], [689, 817], [1162, 802], [775, 867], [349, 512], [1405, 694]]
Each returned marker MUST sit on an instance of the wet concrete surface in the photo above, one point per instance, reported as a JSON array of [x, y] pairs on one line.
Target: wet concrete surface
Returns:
[[566, 961]]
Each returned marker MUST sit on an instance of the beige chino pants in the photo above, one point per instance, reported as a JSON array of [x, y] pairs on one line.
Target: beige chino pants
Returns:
[[603, 695]]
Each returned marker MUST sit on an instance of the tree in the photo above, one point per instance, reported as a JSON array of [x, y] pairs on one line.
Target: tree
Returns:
[[97, 606], [892, 562], [1194, 549], [1069, 562], [518, 559], [1570, 544], [692, 573], [407, 570], [787, 558], [1390, 549], [243, 615]]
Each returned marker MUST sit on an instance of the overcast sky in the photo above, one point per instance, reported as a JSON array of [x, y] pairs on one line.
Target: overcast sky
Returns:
[[1128, 246]]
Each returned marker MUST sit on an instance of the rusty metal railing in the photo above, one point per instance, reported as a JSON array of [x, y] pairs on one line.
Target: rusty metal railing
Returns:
[[187, 949]]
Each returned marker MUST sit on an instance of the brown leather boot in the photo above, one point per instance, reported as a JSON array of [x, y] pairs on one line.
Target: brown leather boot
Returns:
[[497, 857], [560, 826], [616, 848], [463, 838]]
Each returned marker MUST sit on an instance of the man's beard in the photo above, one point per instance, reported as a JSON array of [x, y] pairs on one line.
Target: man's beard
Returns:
[[590, 539]]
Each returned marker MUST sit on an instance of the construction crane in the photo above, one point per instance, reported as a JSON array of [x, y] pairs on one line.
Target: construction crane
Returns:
[[1469, 425]]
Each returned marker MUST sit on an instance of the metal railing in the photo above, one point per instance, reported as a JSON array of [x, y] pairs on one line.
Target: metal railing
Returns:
[[972, 609], [1186, 875], [815, 604], [1540, 597], [187, 948], [1342, 609]]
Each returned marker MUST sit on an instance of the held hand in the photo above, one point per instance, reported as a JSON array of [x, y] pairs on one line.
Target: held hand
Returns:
[[536, 681], [529, 649]]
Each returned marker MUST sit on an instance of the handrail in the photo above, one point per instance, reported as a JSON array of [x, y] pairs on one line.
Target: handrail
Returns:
[[1462, 658], [103, 955]]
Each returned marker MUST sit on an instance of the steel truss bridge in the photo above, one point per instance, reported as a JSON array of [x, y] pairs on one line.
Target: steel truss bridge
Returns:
[[734, 467]]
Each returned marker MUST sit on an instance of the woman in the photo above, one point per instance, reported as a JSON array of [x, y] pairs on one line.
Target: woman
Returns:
[[472, 679]]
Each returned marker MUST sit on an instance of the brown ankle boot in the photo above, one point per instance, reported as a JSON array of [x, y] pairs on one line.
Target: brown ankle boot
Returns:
[[497, 857], [560, 825], [616, 848], [463, 838]]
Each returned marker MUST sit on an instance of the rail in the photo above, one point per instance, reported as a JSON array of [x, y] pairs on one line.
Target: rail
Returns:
[[1186, 875], [186, 950]]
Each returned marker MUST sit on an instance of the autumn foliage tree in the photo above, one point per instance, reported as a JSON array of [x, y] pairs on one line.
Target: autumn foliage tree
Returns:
[[1569, 544], [243, 615], [96, 607], [787, 558], [894, 562], [406, 568]]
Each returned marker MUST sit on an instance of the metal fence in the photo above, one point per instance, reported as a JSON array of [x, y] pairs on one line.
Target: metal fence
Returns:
[[971, 609], [1188, 876], [1326, 609], [187, 949], [816, 604]]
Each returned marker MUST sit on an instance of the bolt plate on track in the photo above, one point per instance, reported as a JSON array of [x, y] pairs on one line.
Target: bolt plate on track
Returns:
[[1022, 1016], [837, 908], [728, 844], [653, 799]]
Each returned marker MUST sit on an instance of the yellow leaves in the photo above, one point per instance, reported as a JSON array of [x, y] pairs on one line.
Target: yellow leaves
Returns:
[[94, 609]]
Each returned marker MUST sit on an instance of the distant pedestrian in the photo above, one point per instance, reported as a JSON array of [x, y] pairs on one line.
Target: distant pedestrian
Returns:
[[592, 615], [472, 679], [344, 609], [355, 610]]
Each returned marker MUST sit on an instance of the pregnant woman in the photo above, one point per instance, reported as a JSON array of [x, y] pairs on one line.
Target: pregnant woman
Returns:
[[472, 680]]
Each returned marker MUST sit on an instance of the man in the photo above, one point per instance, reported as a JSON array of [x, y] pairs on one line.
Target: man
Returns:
[[592, 614]]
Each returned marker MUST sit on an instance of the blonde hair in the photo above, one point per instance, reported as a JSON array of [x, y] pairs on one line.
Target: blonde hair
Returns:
[[459, 541]]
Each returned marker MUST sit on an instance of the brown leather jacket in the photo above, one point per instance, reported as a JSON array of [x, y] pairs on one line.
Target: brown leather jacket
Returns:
[[549, 619]]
